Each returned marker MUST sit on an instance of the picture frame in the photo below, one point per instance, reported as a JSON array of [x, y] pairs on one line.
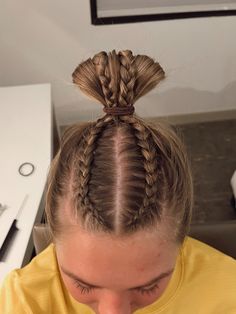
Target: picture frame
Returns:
[[104, 12]]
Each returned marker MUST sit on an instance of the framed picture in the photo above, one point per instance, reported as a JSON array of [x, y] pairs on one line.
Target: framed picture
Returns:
[[131, 11]]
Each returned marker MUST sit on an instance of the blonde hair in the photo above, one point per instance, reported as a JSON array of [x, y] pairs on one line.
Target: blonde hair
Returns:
[[120, 173]]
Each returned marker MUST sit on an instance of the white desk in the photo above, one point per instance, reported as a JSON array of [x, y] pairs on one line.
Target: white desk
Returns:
[[25, 136]]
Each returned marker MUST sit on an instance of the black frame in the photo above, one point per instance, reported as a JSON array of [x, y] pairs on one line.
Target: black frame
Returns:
[[152, 17]]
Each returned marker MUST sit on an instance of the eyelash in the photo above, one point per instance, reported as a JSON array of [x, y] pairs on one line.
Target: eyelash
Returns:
[[86, 290], [149, 291], [83, 289]]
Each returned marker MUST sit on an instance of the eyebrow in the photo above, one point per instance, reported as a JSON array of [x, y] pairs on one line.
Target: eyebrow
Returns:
[[149, 283]]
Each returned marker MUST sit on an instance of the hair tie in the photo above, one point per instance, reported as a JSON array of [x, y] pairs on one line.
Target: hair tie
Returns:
[[26, 169], [119, 111]]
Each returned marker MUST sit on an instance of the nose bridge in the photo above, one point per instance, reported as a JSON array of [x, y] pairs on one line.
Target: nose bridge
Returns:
[[114, 303]]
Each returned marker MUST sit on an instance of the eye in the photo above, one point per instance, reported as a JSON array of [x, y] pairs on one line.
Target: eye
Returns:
[[83, 289], [87, 289], [148, 291]]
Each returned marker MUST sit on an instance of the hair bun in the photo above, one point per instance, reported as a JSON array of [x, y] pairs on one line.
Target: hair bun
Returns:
[[117, 80]]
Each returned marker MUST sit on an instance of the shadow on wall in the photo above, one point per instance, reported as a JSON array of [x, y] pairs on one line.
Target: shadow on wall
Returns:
[[176, 101]]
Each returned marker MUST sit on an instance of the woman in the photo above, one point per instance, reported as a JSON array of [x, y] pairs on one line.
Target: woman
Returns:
[[118, 205]]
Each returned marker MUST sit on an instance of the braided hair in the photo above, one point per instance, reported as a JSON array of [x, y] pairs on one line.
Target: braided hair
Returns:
[[120, 173]]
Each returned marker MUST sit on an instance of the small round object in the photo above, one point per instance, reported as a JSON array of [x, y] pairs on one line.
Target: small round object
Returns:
[[26, 169]]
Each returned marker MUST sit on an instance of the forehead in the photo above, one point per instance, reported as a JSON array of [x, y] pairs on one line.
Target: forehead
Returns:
[[128, 261]]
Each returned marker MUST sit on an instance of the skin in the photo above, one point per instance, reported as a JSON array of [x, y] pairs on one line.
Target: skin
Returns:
[[121, 268]]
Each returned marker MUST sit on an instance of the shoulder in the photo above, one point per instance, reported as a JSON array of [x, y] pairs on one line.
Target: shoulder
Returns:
[[203, 260], [22, 288], [199, 249], [208, 280], [41, 269], [44, 264]]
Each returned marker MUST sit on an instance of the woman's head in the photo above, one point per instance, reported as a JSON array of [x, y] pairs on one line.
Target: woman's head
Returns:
[[120, 177], [120, 174]]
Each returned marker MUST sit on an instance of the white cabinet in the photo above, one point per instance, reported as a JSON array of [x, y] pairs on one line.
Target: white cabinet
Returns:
[[25, 137]]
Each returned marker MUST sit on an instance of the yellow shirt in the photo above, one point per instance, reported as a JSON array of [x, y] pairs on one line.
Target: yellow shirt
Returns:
[[204, 282]]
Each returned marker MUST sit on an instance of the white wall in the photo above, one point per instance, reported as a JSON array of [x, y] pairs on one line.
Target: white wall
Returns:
[[43, 41]]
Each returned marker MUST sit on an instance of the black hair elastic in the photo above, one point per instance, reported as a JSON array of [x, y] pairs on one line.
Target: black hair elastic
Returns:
[[119, 111], [26, 169]]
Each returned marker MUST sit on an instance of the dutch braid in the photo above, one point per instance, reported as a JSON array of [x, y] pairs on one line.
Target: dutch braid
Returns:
[[124, 93], [149, 152], [127, 78], [100, 62], [85, 159]]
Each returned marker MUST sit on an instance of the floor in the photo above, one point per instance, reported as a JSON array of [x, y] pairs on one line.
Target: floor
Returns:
[[212, 151]]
